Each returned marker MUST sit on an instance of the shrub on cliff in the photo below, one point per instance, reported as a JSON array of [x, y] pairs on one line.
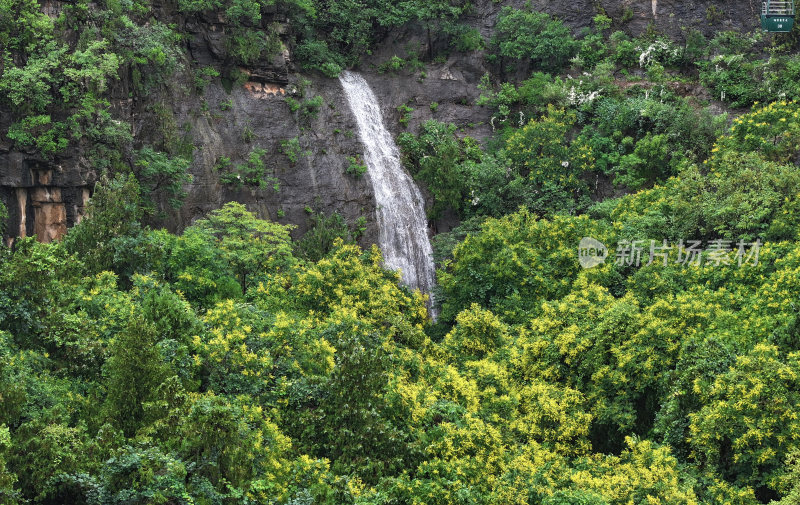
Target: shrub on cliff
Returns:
[[523, 34]]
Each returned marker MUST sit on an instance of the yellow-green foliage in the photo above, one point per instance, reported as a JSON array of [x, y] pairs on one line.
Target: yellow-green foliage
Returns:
[[7, 479], [232, 350], [477, 334], [515, 263], [793, 478], [534, 150], [643, 473], [350, 281], [600, 345], [554, 416], [773, 131], [749, 421]]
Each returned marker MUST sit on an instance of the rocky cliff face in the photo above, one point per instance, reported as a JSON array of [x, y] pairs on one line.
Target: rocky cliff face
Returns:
[[257, 115], [46, 197], [42, 199], [666, 16]]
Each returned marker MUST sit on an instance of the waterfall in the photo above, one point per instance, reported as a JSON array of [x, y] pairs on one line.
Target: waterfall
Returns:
[[22, 203], [400, 207]]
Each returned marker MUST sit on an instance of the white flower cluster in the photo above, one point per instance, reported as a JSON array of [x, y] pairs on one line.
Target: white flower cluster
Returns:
[[575, 97], [648, 55]]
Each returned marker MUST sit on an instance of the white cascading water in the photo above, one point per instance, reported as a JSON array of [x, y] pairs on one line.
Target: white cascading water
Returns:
[[401, 210]]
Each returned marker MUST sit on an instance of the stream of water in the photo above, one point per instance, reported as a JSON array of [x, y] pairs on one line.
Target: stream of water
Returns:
[[400, 206]]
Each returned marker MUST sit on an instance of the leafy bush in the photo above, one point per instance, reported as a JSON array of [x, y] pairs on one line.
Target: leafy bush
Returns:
[[394, 64], [534, 36], [648, 162], [666, 131], [291, 148], [773, 131], [434, 156], [734, 80], [593, 47], [554, 167], [251, 173], [405, 114], [531, 97], [203, 76], [464, 38], [503, 99], [41, 133], [625, 53], [158, 173], [319, 240], [247, 46], [356, 167], [316, 55], [312, 106]]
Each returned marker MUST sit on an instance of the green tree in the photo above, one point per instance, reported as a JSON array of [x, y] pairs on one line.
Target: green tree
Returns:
[[515, 263], [140, 475], [321, 238], [47, 451], [34, 282], [747, 425], [435, 156], [135, 368], [523, 34], [7, 479], [611, 350], [252, 248], [432, 15], [347, 418], [106, 237], [197, 267], [229, 446], [159, 174]]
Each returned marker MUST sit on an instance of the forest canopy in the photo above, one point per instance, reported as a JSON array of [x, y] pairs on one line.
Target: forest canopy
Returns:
[[231, 363], [219, 365]]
